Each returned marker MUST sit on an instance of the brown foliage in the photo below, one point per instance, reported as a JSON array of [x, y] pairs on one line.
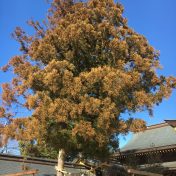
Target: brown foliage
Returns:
[[78, 74], [3, 140]]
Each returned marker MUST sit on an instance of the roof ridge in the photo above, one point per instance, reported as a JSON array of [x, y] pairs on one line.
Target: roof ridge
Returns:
[[36, 160], [157, 126]]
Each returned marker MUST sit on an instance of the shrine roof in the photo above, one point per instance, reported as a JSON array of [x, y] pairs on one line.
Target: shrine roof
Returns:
[[154, 136]]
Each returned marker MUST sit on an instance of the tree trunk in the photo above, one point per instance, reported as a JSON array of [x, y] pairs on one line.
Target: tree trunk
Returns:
[[60, 165]]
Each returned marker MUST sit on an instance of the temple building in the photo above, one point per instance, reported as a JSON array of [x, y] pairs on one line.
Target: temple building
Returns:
[[153, 148]]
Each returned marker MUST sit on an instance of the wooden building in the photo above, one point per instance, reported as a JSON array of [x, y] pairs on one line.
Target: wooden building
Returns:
[[155, 147]]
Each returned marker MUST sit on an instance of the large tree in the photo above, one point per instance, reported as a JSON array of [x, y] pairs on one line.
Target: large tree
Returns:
[[77, 75]]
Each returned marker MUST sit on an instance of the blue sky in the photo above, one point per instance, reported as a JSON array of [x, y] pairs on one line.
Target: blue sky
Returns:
[[155, 19], [15, 13]]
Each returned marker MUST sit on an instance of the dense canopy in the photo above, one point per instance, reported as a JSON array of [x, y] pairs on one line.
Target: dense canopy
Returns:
[[77, 75]]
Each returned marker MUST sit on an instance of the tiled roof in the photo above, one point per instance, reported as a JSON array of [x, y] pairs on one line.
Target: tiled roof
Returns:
[[12, 164], [9, 167], [155, 136]]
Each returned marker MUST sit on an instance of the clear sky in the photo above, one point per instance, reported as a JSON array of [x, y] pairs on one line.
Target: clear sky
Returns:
[[155, 19]]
